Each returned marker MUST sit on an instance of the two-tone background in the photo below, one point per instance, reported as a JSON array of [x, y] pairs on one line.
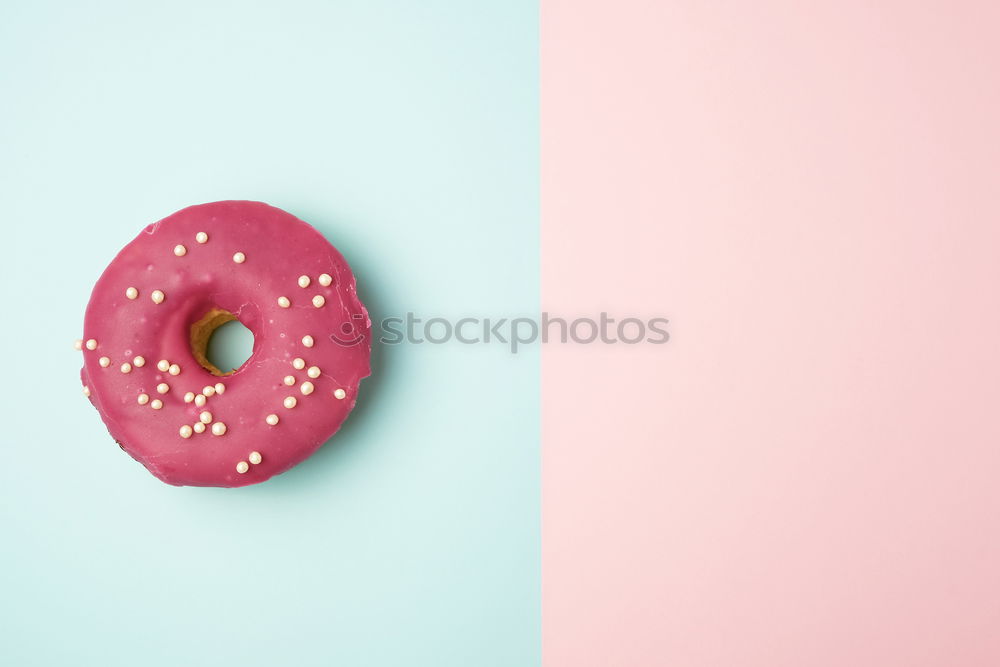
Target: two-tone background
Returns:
[[804, 475]]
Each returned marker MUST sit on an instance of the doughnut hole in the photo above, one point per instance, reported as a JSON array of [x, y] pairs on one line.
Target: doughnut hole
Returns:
[[220, 341]]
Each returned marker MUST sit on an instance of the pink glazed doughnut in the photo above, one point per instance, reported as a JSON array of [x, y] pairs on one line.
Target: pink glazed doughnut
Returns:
[[156, 305]]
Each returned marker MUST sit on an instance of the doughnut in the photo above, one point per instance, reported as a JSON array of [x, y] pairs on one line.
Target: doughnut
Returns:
[[153, 310]]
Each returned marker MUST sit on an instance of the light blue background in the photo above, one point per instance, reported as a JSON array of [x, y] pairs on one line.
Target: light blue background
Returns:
[[407, 133]]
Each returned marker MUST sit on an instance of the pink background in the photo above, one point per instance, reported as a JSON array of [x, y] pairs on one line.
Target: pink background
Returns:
[[806, 474]]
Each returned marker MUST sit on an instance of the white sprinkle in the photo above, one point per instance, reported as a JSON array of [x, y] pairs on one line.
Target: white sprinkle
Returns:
[[199, 427], [142, 399], [219, 388], [188, 397], [200, 400], [86, 392], [156, 404], [289, 380], [157, 296], [208, 390], [272, 420], [132, 293], [306, 388], [290, 402], [303, 281], [186, 431], [298, 363], [139, 362], [339, 394], [254, 458], [91, 344], [163, 365], [218, 428], [318, 300], [126, 367], [205, 417], [242, 467], [104, 362], [284, 302], [325, 279], [239, 258], [180, 250], [174, 369], [163, 387], [78, 344], [201, 237], [313, 372], [307, 341]]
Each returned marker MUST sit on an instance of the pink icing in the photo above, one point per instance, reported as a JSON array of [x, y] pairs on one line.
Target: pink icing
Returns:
[[278, 248]]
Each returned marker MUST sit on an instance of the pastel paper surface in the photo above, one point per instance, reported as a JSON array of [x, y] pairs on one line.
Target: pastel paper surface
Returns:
[[407, 134], [805, 476]]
